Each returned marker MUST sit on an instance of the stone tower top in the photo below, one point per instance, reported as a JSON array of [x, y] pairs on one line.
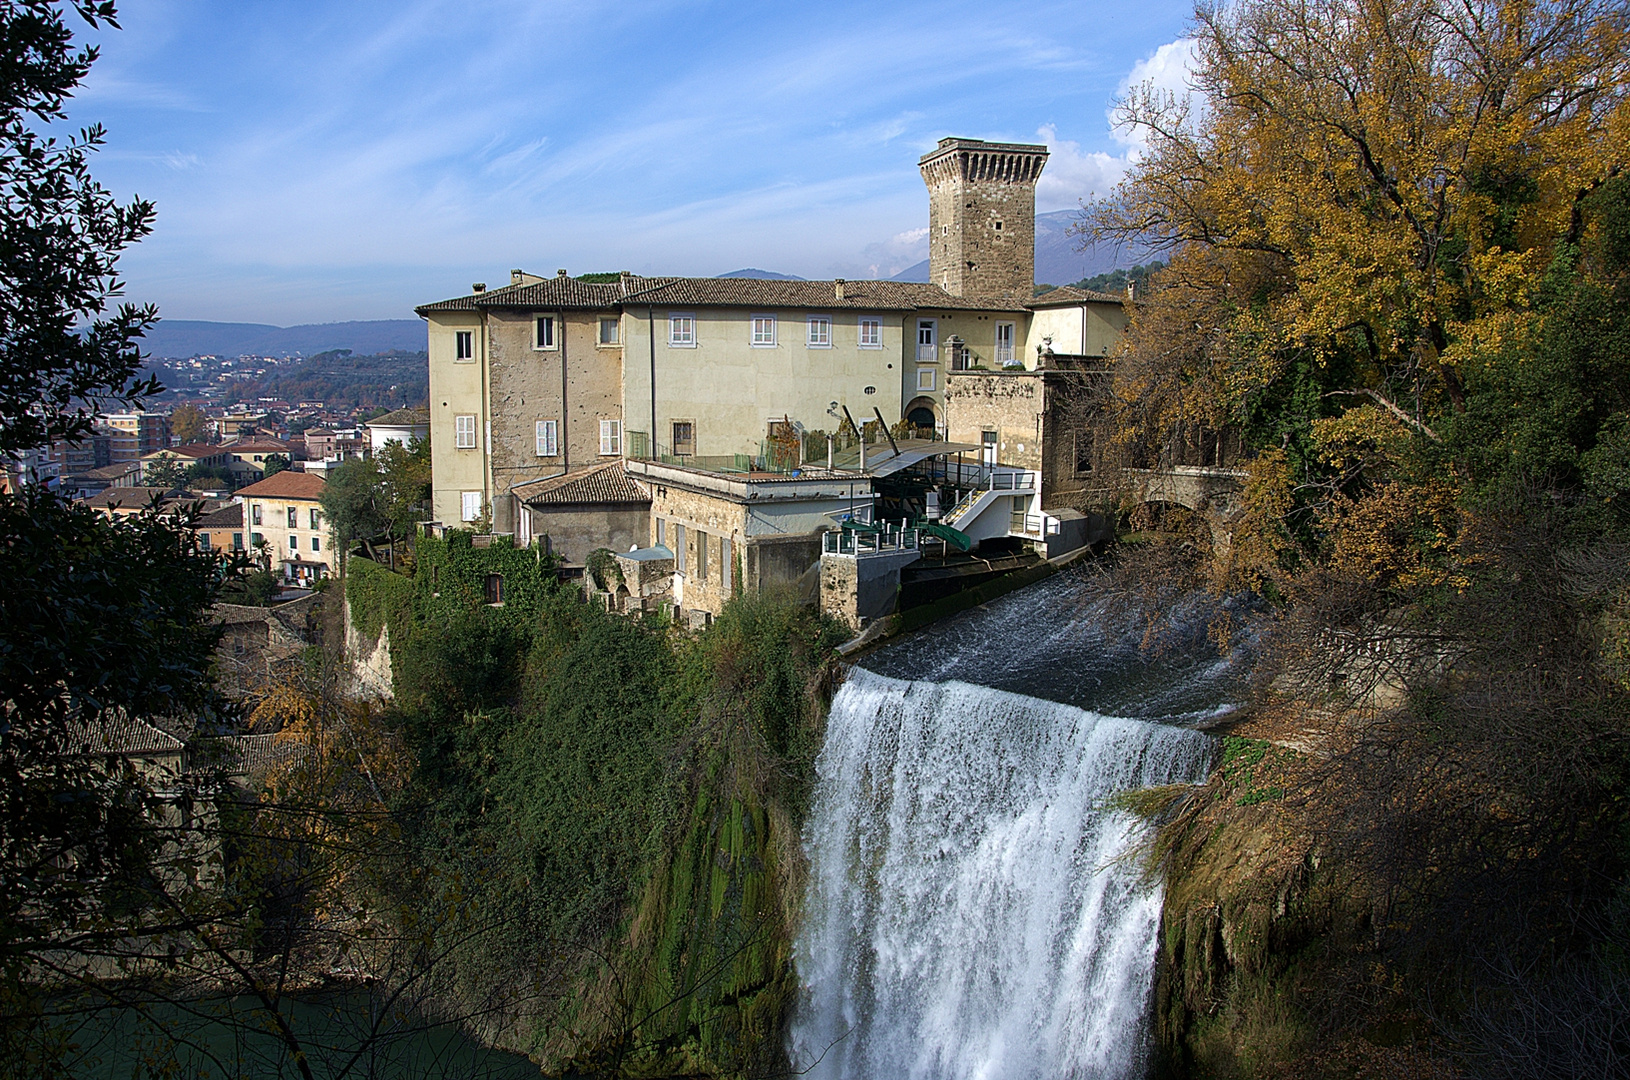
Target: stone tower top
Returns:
[[982, 217]]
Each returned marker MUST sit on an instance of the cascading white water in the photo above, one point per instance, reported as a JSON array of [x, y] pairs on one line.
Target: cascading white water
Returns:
[[973, 909]]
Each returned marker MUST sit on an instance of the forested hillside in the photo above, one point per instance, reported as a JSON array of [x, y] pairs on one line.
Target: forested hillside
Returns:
[[387, 380]]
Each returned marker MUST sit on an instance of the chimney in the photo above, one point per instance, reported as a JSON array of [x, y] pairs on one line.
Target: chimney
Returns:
[[626, 280], [516, 277], [480, 286], [1131, 289], [560, 273], [837, 288]]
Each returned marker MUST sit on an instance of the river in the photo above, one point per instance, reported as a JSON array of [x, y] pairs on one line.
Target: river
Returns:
[[974, 910]]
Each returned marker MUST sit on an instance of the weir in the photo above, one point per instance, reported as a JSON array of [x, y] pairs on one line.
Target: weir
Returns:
[[975, 909]]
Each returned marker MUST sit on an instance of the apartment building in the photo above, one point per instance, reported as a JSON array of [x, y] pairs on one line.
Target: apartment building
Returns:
[[134, 435], [285, 523]]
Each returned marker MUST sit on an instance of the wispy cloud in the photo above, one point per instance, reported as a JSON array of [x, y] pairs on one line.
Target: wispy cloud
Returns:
[[348, 160]]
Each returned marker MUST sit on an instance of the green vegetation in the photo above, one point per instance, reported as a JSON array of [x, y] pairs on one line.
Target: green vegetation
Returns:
[[1116, 281], [1408, 299], [384, 381], [623, 799]]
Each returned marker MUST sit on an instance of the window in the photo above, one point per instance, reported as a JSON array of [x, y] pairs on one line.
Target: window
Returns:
[[662, 532], [316, 518], [608, 332], [701, 555], [763, 330], [1004, 343], [871, 333], [316, 544], [1083, 452], [925, 378], [494, 589], [471, 506], [725, 569], [987, 447], [684, 441], [464, 432], [464, 345], [254, 513], [237, 541], [679, 548], [682, 331], [544, 338], [294, 517], [926, 332], [820, 332], [611, 436], [547, 433], [203, 541], [294, 546]]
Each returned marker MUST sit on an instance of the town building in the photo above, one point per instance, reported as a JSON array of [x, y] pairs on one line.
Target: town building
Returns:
[[580, 512], [222, 529], [287, 528], [204, 454], [134, 435], [752, 413], [405, 426], [248, 456]]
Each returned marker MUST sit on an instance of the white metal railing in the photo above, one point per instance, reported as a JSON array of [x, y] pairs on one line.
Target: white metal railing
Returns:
[[988, 479], [888, 542]]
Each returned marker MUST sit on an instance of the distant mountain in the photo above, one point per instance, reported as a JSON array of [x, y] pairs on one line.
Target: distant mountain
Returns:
[[1059, 259], [763, 275], [181, 338]]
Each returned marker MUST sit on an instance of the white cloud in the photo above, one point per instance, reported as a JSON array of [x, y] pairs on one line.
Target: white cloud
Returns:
[[1169, 70], [1072, 177], [899, 252]]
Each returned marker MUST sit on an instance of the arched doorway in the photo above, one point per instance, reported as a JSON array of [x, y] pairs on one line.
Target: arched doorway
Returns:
[[921, 414]]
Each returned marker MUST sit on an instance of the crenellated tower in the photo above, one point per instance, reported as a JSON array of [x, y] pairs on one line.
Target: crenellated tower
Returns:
[[982, 217]]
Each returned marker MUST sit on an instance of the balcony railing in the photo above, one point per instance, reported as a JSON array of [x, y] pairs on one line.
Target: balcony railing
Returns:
[[860, 544]]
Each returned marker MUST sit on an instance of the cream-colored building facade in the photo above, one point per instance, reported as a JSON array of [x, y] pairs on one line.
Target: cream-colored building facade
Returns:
[[545, 376], [282, 512]]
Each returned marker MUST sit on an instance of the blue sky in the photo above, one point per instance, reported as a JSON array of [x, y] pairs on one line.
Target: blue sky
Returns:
[[322, 161]]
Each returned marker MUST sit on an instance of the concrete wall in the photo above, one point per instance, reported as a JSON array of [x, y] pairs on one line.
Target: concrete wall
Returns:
[[576, 531], [1010, 404], [525, 387], [455, 388], [1092, 329], [861, 590], [731, 389]]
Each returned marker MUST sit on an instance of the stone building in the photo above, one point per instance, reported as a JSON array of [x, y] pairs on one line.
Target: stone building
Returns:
[[982, 217], [525, 384], [579, 512]]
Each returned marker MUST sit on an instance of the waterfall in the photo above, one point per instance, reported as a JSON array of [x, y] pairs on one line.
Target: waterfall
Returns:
[[973, 910]]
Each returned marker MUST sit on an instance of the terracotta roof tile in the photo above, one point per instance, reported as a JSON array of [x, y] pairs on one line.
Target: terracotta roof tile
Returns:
[[607, 483], [285, 485], [721, 292], [401, 418], [1069, 294], [229, 516], [555, 292]]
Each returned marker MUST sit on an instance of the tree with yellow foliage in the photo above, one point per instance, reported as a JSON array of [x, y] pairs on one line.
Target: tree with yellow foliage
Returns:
[[1360, 201]]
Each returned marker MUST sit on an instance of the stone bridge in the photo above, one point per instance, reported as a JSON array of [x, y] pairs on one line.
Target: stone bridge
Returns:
[[1207, 490]]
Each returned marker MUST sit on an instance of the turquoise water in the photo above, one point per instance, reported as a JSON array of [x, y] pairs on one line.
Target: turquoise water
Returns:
[[344, 1037]]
